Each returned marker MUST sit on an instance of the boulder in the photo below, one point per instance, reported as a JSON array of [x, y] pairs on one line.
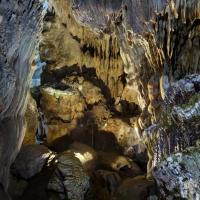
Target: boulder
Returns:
[[87, 88], [137, 188], [86, 154], [61, 109], [16, 187], [63, 104], [69, 179], [118, 163], [125, 134], [110, 179], [30, 161]]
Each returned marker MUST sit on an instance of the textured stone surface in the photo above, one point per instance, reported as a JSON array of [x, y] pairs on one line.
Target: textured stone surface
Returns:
[[70, 47], [69, 178], [61, 107], [30, 160], [66, 105], [125, 134], [20, 23], [136, 188], [86, 154], [153, 49], [179, 126], [31, 120], [178, 175], [118, 163], [113, 161]]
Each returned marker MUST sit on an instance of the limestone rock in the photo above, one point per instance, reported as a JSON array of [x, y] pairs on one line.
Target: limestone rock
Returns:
[[155, 56], [86, 87], [31, 160], [111, 179], [118, 163], [178, 176], [113, 161], [125, 134], [61, 109], [64, 104], [57, 130], [92, 93], [69, 47], [178, 127], [137, 188], [130, 94], [31, 117], [86, 154], [101, 114], [69, 178]]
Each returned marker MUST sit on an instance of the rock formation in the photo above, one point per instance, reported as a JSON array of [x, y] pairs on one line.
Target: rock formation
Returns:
[[20, 24], [119, 79], [152, 62], [178, 175], [30, 161], [69, 178]]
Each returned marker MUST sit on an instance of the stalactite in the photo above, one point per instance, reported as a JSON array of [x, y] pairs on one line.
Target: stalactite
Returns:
[[159, 55]]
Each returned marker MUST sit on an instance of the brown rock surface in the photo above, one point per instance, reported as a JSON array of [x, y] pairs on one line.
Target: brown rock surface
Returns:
[[136, 188], [60, 108], [63, 104], [125, 134], [31, 117], [86, 154], [118, 163]]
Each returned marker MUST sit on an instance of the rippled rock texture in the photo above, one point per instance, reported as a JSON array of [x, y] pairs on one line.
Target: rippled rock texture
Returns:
[[69, 178]]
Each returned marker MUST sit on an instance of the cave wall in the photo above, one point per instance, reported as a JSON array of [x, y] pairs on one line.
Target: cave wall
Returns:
[[138, 49], [20, 24], [69, 47], [159, 45]]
